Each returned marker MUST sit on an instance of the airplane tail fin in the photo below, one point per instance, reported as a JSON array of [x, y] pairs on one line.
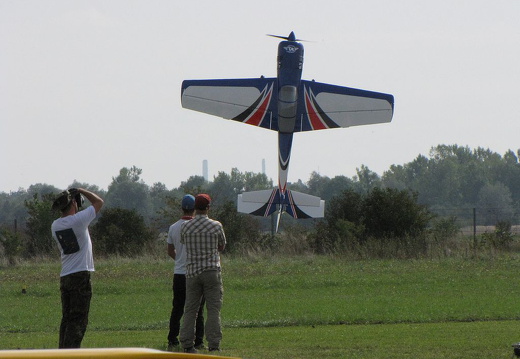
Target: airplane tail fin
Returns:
[[266, 202]]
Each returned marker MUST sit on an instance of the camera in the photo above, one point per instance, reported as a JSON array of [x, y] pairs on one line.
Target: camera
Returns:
[[74, 194], [65, 198]]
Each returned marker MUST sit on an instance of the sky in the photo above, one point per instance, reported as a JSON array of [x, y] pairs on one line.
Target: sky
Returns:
[[88, 87]]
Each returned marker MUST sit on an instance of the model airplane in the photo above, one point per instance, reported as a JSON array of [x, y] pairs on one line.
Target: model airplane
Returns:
[[286, 104]]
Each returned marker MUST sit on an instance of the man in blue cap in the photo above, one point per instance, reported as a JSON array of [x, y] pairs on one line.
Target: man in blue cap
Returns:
[[177, 251]]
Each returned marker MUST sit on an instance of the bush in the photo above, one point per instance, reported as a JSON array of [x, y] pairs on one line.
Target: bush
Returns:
[[394, 214], [122, 232], [504, 234], [12, 245], [389, 217], [38, 225], [444, 229], [242, 231], [501, 238]]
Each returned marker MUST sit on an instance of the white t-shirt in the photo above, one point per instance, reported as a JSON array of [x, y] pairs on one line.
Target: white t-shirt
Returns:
[[174, 237], [71, 234]]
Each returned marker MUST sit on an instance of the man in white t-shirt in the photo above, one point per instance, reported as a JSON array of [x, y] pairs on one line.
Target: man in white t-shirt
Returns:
[[71, 233], [177, 251]]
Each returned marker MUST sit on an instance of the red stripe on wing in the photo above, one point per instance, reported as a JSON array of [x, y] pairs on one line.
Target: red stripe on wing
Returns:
[[256, 117], [315, 119]]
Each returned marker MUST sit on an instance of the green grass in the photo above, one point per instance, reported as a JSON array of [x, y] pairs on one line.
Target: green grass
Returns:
[[299, 307]]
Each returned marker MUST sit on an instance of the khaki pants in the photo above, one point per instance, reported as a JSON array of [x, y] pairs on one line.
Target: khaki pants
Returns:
[[208, 284]]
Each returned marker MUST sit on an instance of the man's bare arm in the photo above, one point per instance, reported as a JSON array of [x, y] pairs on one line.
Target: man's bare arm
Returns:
[[171, 250], [96, 201]]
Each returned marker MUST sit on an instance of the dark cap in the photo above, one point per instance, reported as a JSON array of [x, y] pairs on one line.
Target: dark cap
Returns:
[[188, 202], [202, 201]]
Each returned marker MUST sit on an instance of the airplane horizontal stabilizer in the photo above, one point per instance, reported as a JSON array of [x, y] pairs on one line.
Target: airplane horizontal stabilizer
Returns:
[[266, 202]]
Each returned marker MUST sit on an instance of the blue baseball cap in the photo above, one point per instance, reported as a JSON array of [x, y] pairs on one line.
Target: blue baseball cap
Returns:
[[188, 202]]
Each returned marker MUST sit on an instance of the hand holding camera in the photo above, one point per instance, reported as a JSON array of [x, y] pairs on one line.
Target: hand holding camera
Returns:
[[76, 195]]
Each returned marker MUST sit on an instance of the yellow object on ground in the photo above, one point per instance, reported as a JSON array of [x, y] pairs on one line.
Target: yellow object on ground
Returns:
[[96, 353]]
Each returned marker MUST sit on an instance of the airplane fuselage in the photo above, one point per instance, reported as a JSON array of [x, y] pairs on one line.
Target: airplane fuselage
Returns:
[[286, 104], [289, 74]]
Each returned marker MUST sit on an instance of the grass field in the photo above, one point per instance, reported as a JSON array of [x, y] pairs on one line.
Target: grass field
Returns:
[[298, 307]]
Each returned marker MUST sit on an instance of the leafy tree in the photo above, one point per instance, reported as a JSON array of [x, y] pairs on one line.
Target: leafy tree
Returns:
[[335, 187], [256, 181], [381, 214], [444, 178], [226, 187], [39, 224], [299, 186], [122, 232], [509, 174], [367, 179], [42, 189], [347, 206], [12, 205], [12, 208], [242, 230], [450, 176], [323, 186], [444, 228], [169, 213], [413, 176], [158, 197], [504, 236], [128, 191], [132, 174], [343, 225], [194, 185], [12, 244], [453, 176], [389, 213], [495, 203], [316, 183]]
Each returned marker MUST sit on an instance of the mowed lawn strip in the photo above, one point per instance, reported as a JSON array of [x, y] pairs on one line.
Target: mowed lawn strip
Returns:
[[451, 340], [333, 291]]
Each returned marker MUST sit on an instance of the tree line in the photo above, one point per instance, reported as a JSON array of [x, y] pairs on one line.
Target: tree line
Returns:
[[362, 207]]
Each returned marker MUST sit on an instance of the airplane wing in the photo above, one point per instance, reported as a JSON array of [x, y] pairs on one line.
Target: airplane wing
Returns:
[[323, 106], [250, 101]]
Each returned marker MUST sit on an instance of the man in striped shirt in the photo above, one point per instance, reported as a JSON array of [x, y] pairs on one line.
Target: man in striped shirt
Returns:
[[204, 239]]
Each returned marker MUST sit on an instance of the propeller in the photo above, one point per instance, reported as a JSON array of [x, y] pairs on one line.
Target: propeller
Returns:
[[291, 37]]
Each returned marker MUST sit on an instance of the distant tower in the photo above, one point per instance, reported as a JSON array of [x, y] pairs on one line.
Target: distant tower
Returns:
[[263, 166], [205, 170]]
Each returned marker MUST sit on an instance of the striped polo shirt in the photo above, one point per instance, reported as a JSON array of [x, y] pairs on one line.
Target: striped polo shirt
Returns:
[[202, 236]]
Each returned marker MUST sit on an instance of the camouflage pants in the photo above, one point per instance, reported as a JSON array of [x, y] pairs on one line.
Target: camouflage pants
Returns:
[[76, 291]]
